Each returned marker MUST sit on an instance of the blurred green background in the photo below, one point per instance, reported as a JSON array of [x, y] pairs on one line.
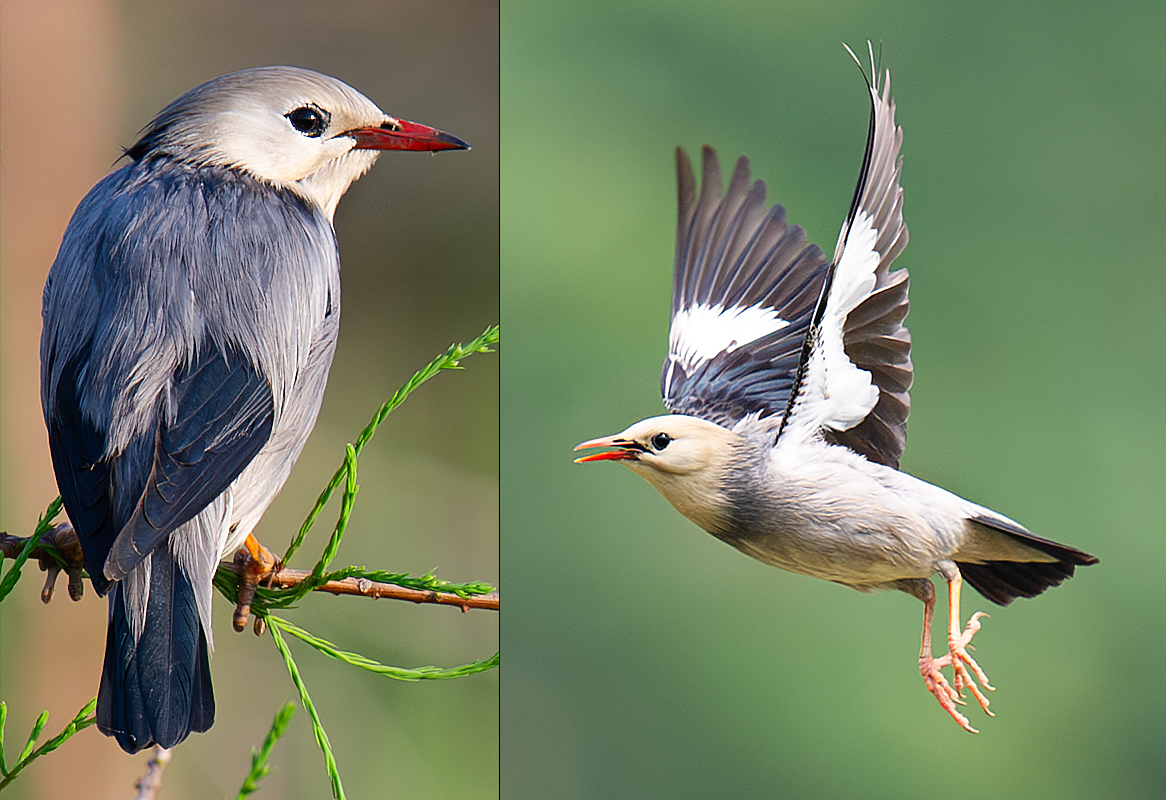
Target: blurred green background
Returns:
[[645, 659], [419, 243]]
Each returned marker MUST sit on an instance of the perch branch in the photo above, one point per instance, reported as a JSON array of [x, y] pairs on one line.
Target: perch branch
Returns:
[[287, 578], [60, 545], [150, 783]]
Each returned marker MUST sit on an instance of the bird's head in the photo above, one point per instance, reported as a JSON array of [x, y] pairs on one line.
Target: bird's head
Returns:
[[685, 458], [290, 127]]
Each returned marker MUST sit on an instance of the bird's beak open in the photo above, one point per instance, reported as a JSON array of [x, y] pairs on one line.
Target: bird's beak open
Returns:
[[400, 134], [627, 450]]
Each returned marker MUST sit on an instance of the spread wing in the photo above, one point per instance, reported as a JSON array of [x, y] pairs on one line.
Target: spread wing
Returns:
[[743, 294], [855, 373]]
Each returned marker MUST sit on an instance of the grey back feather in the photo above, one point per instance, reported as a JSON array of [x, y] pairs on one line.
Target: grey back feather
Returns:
[[222, 267]]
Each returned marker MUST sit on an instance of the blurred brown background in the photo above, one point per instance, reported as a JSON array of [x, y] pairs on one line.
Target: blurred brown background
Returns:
[[419, 242]]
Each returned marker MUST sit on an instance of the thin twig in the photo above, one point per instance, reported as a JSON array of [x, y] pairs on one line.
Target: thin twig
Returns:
[[148, 785], [286, 578]]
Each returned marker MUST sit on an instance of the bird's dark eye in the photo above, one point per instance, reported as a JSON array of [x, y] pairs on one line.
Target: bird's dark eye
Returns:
[[660, 441], [309, 120]]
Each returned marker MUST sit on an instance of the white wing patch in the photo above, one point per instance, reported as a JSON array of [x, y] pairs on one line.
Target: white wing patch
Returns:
[[702, 332], [837, 394]]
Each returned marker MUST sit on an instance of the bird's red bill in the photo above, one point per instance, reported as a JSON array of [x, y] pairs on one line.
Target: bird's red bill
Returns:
[[404, 135], [620, 454]]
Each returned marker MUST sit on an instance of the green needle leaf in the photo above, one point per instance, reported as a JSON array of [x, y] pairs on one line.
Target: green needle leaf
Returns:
[[449, 360], [398, 673], [83, 720], [317, 728], [259, 766]]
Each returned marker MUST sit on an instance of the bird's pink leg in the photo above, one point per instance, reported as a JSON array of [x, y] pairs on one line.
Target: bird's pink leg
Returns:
[[963, 665]]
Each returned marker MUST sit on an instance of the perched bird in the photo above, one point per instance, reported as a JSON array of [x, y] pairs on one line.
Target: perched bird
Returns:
[[190, 318], [788, 376]]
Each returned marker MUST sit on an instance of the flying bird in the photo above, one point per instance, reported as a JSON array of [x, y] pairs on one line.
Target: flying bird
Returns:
[[190, 318], [788, 379]]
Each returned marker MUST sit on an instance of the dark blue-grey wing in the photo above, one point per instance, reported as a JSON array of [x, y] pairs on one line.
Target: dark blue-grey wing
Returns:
[[221, 416], [77, 445], [744, 288]]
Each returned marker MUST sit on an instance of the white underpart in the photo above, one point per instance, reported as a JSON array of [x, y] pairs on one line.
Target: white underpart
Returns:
[[837, 394], [197, 546], [702, 332]]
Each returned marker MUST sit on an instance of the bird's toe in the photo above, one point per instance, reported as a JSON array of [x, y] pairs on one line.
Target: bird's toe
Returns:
[[936, 683], [259, 566]]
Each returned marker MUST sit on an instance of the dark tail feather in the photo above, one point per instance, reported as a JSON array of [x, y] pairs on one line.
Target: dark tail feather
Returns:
[[120, 711], [160, 690], [1004, 581]]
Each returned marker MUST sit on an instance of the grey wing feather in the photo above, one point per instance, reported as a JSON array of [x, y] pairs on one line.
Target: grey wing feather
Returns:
[[222, 417], [166, 332], [872, 334], [744, 287], [83, 475]]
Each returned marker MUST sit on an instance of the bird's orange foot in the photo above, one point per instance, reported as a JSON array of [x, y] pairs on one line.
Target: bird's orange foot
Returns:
[[258, 565], [964, 668]]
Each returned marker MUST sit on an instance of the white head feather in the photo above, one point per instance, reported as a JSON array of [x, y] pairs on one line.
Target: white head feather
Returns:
[[241, 120], [685, 458]]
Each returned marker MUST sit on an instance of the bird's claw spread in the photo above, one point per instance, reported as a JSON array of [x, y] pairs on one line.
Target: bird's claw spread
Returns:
[[965, 674], [258, 565]]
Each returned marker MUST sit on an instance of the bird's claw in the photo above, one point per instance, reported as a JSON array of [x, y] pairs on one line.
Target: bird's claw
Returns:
[[937, 684], [965, 667], [965, 674], [258, 566], [68, 546]]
